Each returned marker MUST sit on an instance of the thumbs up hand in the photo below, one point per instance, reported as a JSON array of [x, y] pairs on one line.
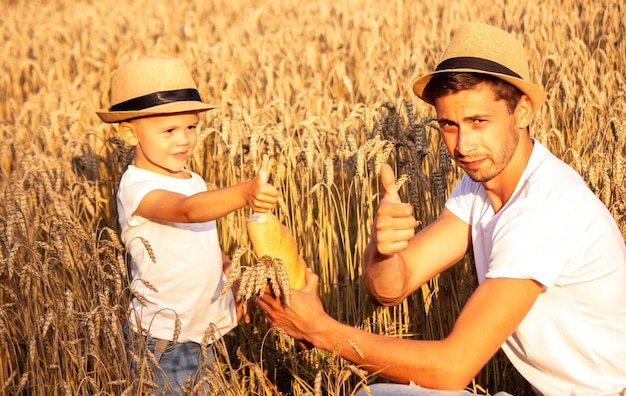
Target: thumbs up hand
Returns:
[[261, 196], [394, 225], [262, 172], [388, 180]]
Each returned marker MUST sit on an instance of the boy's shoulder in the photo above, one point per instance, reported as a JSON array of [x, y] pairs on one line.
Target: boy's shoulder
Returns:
[[138, 176], [133, 174], [136, 173]]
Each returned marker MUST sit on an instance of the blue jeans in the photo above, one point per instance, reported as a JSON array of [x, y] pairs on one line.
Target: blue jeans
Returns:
[[408, 390], [176, 366]]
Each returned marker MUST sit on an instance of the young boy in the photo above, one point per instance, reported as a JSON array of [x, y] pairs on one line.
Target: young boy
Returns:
[[167, 217]]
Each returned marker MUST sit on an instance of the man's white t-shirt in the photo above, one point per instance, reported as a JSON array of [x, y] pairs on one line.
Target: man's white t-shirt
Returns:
[[556, 231], [186, 278]]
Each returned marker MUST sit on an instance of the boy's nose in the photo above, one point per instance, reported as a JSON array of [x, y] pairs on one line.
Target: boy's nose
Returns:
[[182, 139]]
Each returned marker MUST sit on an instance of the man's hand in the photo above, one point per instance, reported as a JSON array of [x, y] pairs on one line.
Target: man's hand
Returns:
[[395, 224], [301, 316]]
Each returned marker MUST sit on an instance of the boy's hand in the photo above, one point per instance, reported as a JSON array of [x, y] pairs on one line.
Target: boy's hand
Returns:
[[394, 225], [261, 196]]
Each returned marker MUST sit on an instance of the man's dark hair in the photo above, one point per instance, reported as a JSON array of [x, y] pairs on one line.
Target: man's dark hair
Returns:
[[448, 83]]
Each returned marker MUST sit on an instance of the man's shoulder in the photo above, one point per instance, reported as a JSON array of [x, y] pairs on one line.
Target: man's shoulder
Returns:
[[546, 169]]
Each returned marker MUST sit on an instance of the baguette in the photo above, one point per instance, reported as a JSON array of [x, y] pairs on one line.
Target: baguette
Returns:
[[269, 237]]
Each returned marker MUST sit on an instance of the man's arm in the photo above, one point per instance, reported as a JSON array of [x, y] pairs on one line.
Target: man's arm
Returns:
[[492, 313], [397, 261]]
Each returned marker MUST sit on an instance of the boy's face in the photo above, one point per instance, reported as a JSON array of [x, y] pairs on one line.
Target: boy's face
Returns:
[[162, 143]]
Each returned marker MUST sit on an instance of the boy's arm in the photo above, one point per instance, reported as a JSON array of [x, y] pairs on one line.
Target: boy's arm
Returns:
[[226, 264], [397, 261], [239, 309], [209, 205]]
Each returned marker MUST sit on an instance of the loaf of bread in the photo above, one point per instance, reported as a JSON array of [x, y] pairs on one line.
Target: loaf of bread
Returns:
[[269, 237]]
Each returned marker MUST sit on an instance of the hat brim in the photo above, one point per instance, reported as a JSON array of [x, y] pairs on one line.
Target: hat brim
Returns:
[[536, 95], [168, 108]]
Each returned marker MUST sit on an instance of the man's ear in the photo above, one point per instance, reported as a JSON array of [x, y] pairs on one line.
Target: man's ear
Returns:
[[524, 112], [128, 133]]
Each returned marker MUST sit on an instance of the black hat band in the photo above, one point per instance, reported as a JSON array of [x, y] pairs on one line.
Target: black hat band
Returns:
[[478, 64], [158, 98]]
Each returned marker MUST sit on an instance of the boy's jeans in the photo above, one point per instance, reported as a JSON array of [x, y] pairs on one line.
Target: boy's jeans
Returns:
[[176, 362], [409, 390]]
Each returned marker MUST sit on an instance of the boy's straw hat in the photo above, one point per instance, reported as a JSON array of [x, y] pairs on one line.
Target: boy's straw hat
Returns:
[[152, 86], [481, 48]]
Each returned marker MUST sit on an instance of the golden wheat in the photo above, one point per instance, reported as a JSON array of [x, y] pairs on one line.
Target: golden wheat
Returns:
[[324, 89]]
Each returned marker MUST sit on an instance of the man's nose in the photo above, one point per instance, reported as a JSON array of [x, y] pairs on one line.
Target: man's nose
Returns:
[[465, 141]]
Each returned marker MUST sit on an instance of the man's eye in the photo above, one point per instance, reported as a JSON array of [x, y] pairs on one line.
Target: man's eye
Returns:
[[446, 126]]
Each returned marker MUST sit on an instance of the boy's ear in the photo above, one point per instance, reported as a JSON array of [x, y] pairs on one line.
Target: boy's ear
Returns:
[[127, 133]]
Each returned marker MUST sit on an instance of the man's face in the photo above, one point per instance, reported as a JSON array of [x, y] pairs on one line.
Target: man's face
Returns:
[[479, 132], [164, 143]]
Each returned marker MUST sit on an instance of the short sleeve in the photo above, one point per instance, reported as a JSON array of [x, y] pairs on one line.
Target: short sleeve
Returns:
[[535, 242], [467, 197], [130, 194]]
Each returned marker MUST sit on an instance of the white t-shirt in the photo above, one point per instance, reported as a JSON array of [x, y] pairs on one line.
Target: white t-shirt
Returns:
[[556, 231], [186, 278]]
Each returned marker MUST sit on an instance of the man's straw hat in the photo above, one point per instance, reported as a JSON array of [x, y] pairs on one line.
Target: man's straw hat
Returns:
[[150, 87], [481, 48]]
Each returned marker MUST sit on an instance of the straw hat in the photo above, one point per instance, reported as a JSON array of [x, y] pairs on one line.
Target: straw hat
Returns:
[[152, 86], [481, 48]]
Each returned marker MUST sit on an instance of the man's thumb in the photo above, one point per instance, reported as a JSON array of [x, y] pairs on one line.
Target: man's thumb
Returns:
[[388, 178], [311, 279]]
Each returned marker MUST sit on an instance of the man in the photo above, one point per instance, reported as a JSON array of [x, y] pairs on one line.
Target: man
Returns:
[[550, 260]]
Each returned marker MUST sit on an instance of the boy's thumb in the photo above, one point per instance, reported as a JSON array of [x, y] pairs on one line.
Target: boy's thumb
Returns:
[[262, 173], [388, 179]]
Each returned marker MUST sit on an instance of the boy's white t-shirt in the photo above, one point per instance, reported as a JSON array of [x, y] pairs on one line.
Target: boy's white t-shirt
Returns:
[[556, 231], [186, 279]]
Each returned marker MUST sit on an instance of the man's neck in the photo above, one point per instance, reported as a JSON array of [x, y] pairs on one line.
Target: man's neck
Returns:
[[500, 189]]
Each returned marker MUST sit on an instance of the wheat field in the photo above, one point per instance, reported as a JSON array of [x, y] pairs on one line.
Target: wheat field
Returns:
[[323, 88]]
